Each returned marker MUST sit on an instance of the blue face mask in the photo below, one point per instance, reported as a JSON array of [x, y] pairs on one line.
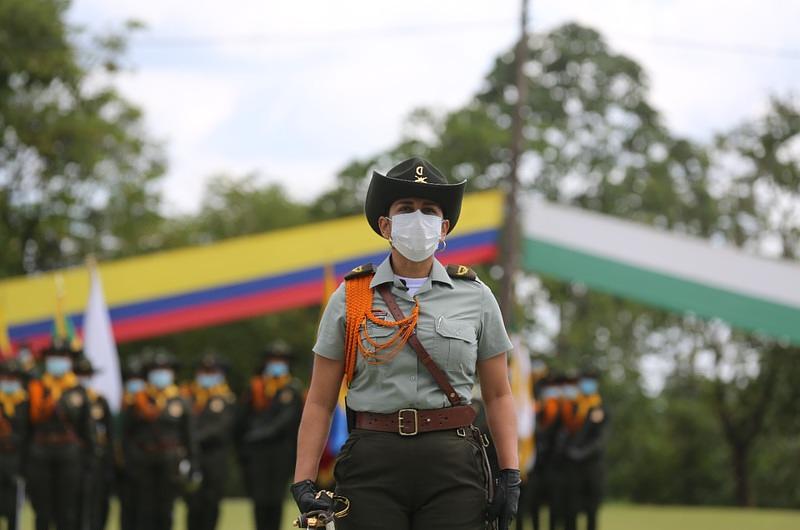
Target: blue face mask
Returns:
[[551, 392], [588, 386], [132, 386], [161, 378], [10, 386], [57, 366], [570, 391], [209, 380], [276, 369]]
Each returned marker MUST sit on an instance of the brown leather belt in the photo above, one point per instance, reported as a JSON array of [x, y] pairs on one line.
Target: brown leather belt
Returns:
[[408, 422]]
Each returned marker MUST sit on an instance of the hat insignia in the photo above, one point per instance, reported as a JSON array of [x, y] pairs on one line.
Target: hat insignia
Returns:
[[421, 177]]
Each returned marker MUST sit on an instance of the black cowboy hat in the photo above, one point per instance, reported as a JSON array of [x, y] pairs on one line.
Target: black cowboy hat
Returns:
[[61, 347], [83, 366], [160, 358], [415, 177], [211, 361], [278, 349], [11, 367], [133, 368]]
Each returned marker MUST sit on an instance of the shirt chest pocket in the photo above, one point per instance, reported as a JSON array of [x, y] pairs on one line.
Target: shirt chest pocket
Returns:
[[457, 341], [373, 337]]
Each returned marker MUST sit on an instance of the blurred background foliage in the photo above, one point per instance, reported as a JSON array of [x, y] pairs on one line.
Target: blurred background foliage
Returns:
[[79, 175]]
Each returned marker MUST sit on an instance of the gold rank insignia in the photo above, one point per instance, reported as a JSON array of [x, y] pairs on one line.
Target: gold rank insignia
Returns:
[[175, 409], [597, 415], [420, 175], [461, 272], [217, 405], [98, 412], [76, 399]]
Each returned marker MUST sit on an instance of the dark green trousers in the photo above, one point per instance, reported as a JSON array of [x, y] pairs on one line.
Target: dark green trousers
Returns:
[[54, 477], [429, 481]]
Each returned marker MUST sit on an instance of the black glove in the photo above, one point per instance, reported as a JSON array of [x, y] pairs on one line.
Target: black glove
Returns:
[[506, 498], [306, 496]]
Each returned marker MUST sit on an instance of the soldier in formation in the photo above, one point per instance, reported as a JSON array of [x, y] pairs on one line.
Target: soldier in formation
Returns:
[[161, 428], [99, 479], [60, 445], [62, 441], [571, 426], [213, 407], [13, 441], [128, 455], [266, 434]]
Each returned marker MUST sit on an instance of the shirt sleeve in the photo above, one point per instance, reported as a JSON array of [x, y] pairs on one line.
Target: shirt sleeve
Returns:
[[493, 339], [330, 335]]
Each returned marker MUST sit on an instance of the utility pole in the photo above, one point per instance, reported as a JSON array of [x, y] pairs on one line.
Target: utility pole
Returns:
[[510, 257]]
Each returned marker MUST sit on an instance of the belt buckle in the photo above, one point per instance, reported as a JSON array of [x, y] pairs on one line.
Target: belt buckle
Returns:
[[400, 422]]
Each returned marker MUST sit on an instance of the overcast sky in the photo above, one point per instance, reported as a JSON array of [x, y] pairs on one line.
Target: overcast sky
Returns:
[[294, 90]]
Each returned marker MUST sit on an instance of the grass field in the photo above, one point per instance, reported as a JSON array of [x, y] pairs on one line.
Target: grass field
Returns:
[[236, 515]]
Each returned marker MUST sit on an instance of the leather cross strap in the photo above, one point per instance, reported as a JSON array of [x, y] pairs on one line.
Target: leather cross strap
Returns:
[[439, 376]]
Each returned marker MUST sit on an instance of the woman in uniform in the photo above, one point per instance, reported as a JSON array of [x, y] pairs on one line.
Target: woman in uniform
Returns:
[[410, 338]]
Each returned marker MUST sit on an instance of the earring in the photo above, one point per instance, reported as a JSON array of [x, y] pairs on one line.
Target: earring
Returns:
[[443, 245]]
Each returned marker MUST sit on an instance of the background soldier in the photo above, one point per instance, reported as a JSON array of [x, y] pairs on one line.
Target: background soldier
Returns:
[[548, 404], [162, 429], [62, 445], [128, 454], [13, 438], [585, 454], [559, 505], [267, 434], [213, 406], [100, 479]]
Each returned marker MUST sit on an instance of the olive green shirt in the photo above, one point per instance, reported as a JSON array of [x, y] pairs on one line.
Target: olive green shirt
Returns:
[[459, 325]]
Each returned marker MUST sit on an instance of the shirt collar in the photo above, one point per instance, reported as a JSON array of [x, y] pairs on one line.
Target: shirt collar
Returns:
[[385, 274]]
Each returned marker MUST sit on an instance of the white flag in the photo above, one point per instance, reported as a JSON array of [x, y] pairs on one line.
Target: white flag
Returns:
[[522, 388], [99, 345]]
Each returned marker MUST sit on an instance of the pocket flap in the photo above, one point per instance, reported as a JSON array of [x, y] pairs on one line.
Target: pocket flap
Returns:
[[375, 331], [455, 330]]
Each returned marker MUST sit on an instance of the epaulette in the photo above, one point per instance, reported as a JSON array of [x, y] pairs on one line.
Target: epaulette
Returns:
[[462, 272], [361, 270]]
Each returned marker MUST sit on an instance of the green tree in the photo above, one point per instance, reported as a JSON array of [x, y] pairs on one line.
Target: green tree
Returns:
[[76, 170]]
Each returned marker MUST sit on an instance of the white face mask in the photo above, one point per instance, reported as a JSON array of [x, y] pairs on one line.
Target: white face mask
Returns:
[[416, 235]]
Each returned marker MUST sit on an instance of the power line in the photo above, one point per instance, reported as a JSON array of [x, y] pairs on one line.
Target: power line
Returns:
[[288, 39], [714, 47], [323, 37]]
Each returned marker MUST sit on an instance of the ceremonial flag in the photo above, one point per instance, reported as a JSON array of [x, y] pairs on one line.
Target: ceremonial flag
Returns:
[[100, 347], [522, 388], [5, 344], [63, 330]]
